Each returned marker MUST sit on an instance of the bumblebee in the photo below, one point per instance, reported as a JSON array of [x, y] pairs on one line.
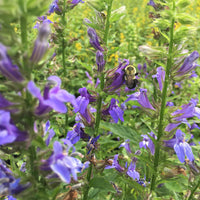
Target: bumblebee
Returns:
[[129, 76]]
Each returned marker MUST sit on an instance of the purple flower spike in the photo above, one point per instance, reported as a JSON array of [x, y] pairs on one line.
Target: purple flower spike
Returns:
[[147, 142], [100, 61], [94, 39], [182, 148], [53, 98], [41, 43], [8, 132], [7, 68], [188, 64], [132, 172], [160, 77]]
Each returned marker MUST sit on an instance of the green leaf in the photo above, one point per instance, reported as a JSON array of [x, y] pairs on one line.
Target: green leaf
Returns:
[[101, 183], [122, 131], [117, 14]]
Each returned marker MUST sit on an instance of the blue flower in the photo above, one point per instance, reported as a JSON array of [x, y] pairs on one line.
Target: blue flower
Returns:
[[8, 184], [9, 132], [160, 76], [182, 148], [142, 99], [115, 77], [114, 111], [132, 172], [126, 145], [7, 68], [115, 164], [77, 133], [62, 164], [41, 43], [75, 2], [94, 39], [147, 142], [54, 7], [100, 61], [53, 98], [188, 64]]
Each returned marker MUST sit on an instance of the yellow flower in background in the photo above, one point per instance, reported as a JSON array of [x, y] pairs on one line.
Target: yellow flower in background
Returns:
[[135, 9], [78, 46], [52, 17], [177, 25], [122, 37]]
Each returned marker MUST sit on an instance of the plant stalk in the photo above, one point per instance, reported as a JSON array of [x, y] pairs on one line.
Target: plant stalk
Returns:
[[163, 105]]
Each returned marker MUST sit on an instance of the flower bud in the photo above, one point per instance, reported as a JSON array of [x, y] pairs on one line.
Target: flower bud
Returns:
[[41, 43], [100, 61]]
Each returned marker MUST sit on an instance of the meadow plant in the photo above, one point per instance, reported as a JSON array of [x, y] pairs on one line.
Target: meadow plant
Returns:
[[114, 142]]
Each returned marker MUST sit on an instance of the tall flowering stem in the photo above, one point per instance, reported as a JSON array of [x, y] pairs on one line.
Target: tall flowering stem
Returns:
[[163, 105], [23, 27], [100, 98], [63, 39], [99, 102]]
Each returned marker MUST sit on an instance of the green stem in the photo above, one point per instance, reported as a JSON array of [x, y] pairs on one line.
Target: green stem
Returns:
[[193, 191], [87, 187], [33, 167], [163, 105], [108, 22], [23, 27]]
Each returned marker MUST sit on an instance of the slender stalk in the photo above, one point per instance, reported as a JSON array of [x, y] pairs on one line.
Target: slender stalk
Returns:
[[87, 186], [23, 27], [163, 105], [99, 101], [193, 191], [63, 39], [108, 22]]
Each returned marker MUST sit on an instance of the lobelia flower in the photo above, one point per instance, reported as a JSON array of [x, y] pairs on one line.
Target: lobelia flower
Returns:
[[141, 98], [94, 39], [182, 148], [131, 170], [77, 133], [82, 105], [126, 145], [53, 98], [50, 131], [180, 116], [169, 103], [160, 76], [43, 20], [9, 70], [114, 111], [100, 61], [62, 164], [54, 7], [152, 3], [115, 77], [147, 142], [115, 164], [91, 145], [9, 132], [41, 44], [75, 2], [8, 184], [188, 64]]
